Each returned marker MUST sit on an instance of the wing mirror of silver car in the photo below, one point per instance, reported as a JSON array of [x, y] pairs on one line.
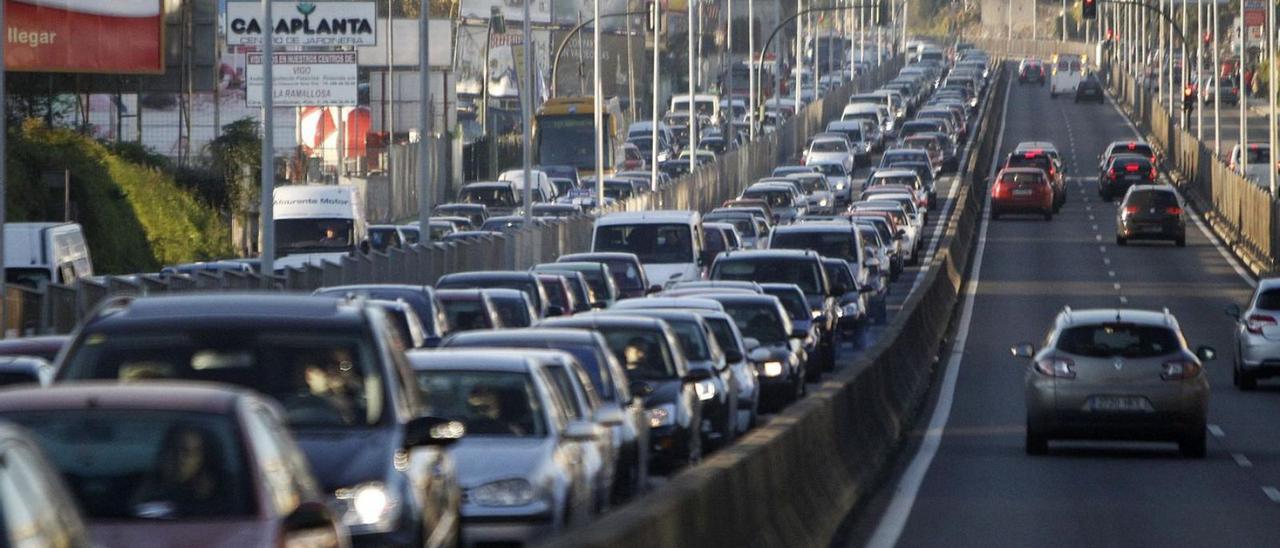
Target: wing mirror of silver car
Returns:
[[1023, 350], [1206, 353], [1233, 311]]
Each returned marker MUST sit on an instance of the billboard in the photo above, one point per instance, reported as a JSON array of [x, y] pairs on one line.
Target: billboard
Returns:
[[90, 36], [305, 79], [304, 23]]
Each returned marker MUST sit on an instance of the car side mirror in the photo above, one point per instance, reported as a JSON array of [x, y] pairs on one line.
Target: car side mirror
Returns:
[[866, 289], [1023, 350], [1206, 353], [750, 343], [432, 432], [1233, 311], [653, 289], [695, 376], [432, 342], [758, 355], [610, 416], [580, 431], [554, 311], [306, 521]]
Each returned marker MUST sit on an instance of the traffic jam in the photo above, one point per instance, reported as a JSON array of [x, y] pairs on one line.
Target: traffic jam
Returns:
[[503, 407]]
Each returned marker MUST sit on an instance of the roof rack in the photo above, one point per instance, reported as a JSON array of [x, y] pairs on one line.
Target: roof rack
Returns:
[[1168, 318], [1066, 313]]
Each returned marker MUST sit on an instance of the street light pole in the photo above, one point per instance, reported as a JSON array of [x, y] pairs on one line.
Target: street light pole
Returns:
[[799, 54], [4, 292], [598, 108], [526, 108], [1199, 70], [266, 210], [1217, 85], [424, 123], [752, 113], [656, 23], [1271, 95], [693, 114]]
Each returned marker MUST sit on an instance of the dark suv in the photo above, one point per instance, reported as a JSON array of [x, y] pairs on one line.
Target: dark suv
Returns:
[[1123, 171], [1151, 212], [334, 366], [1031, 70]]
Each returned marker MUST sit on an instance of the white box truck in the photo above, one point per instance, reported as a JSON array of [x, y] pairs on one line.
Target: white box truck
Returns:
[[317, 223], [36, 254]]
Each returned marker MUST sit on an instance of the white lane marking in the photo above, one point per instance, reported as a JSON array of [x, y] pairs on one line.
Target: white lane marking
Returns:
[[1088, 207], [1116, 286], [1242, 460], [1272, 493], [1195, 216], [1095, 227], [1216, 431], [1102, 248], [1106, 260], [1097, 237], [894, 520], [1111, 273], [1090, 216]]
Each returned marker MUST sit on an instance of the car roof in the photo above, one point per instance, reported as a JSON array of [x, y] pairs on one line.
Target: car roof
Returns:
[[227, 309], [591, 319], [1070, 318], [659, 302], [597, 256], [489, 184], [894, 172], [473, 359], [768, 254], [654, 217], [557, 334], [185, 396], [815, 226], [488, 275]]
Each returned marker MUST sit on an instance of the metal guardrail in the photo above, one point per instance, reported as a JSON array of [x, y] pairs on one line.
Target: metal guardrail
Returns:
[[57, 308]]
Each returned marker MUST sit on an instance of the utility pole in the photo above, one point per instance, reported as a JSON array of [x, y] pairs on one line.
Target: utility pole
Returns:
[[1200, 70], [598, 100], [526, 108], [4, 290], [424, 122], [728, 37], [266, 210], [656, 27], [693, 113], [1217, 84], [752, 112], [799, 54], [1271, 96]]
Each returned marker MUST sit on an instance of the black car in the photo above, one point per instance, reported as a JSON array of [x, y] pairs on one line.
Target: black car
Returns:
[[702, 351], [476, 213], [604, 292], [625, 268], [513, 306], [1123, 171], [795, 266], [592, 351], [25, 370], [502, 279], [762, 319], [1089, 89], [422, 298], [1151, 212], [347, 393], [469, 309], [655, 366]]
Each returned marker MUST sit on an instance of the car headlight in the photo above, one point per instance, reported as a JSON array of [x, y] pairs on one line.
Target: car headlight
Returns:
[[850, 309], [840, 186], [705, 389], [816, 314], [822, 203], [368, 507], [662, 415], [772, 369], [511, 492]]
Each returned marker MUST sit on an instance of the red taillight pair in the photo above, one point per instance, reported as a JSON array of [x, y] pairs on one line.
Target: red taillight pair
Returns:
[[1061, 368], [1132, 168], [1173, 210], [1257, 322], [1180, 370]]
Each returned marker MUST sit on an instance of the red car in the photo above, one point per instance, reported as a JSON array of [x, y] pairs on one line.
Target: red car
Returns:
[[1022, 190], [1046, 162]]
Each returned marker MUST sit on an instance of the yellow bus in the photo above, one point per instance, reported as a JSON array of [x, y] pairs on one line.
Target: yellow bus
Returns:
[[564, 134]]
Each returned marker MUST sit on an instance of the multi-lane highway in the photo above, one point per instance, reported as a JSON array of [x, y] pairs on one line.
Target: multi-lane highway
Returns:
[[965, 479]]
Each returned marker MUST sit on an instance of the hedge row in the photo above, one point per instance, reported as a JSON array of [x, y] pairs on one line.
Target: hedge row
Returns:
[[136, 218]]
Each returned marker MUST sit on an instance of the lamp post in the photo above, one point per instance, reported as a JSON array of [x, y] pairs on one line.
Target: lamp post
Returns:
[[526, 112], [598, 107], [693, 113], [266, 209], [424, 122], [655, 24], [752, 114]]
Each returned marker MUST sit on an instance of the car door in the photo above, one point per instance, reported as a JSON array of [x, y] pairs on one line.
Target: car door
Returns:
[[588, 483]]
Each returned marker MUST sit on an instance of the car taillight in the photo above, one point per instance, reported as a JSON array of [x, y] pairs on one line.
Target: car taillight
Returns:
[[1173, 210], [1130, 210], [1179, 370], [1257, 322], [1111, 174], [1132, 168], [1061, 368], [1154, 176]]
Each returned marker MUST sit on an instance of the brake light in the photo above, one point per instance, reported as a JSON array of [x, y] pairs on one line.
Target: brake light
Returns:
[[1257, 322], [1130, 210], [1061, 368], [1173, 210], [1154, 176], [1030, 155], [1131, 168], [1133, 146], [1111, 173], [1179, 370]]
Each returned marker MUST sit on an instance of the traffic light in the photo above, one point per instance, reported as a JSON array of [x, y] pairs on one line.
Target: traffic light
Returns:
[[1089, 10], [1189, 97]]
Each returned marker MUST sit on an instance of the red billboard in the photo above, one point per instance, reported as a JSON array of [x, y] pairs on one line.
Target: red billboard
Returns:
[[92, 36]]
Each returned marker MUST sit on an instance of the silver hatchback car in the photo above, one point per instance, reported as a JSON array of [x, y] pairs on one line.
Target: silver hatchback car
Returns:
[[1257, 336], [1116, 374]]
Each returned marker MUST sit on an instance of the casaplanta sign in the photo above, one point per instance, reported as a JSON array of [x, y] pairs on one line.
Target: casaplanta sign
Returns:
[[304, 23]]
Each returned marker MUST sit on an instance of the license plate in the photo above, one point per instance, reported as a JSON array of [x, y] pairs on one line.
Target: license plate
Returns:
[[1151, 229], [1119, 404], [1132, 177], [1020, 192]]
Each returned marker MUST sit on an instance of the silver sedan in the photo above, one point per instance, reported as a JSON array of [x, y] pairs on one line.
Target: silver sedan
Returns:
[[1116, 374]]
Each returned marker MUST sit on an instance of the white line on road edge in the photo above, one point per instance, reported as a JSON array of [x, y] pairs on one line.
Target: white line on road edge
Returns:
[[1213, 238], [1242, 460], [1272, 493], [894, 520], [1216, 431]]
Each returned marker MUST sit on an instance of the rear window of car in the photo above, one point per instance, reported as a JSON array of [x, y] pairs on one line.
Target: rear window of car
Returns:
[[1126, 340], [1269, 300], [770, 270], [793, 301], [1034, 160], [826, 243], [1123, 163], [1151, 198], [1021, 177], [1134, 148]]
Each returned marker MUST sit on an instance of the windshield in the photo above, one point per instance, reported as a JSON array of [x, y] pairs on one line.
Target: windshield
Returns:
[[758, 321], [839, 274], [771, 270], [490, 196], [691, 340], [909, 180], [775, 198], [322, 379], [569, 139], [382, 238], [136, 464], [745, 225], [466, 314], [826, 243], [642, 353], [1258, 154], [793, 302], [831, 170], [812, 184], [314, 236], [489, 403], [652, 243], [829, 146], [514, 312], [1119, 339]]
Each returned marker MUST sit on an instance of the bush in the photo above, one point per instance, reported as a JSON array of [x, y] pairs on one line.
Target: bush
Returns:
[[136, 218]]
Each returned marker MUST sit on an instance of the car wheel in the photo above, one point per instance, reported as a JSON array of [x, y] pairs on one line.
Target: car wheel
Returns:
[[1244, 381], [1181, 242], [1194, 444], [1036, 442]]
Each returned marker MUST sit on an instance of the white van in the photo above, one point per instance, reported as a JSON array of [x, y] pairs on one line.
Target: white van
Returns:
[[1068, 71], [317, 223], [36, 254], [543, 190], [668, 243], [704, 103]]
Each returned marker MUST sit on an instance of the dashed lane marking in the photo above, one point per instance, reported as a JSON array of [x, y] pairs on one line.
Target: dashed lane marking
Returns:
[[1272, 493], [1216, 431], [1242, 460]]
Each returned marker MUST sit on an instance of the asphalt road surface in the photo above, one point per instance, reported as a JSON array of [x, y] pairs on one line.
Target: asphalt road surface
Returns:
[[964, 479]]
